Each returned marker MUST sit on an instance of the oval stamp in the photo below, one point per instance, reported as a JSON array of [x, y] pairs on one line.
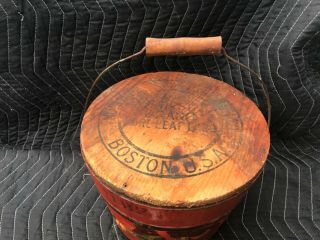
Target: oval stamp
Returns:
[[165, 137]]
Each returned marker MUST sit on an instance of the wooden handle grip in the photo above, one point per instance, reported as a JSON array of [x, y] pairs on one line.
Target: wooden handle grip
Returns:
[[183, 46]]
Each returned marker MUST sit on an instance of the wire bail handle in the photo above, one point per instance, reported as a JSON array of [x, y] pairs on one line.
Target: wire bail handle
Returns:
[[185, 46]]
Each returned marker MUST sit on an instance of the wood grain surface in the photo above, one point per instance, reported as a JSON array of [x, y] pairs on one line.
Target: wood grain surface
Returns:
[[174, 139], [183, 46]]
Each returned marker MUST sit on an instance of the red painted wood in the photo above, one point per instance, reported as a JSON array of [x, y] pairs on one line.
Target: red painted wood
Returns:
[[139, 219]]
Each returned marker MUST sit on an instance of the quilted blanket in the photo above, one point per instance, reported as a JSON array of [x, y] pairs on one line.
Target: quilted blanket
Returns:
[[52, 50]]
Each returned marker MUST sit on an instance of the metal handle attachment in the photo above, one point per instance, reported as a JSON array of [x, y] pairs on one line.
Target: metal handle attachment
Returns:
[[185, 46]]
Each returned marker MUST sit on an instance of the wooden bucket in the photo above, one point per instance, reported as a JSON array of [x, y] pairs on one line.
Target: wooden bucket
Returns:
[[173, 153]]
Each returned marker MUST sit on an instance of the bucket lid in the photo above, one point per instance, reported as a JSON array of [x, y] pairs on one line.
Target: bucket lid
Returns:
[[174, 139]]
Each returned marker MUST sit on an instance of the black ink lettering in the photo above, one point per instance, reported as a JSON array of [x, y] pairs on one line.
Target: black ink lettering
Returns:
[[145, 123], [164, 165], [190, 129], [220, 154], [173, 126], [213, 128], [115, 144], [189, 116], [207, 163], [164, 126], [155, 165], [141, 161], [179, 125], [189, 166], [171, 113], [123, 151], [132, 157]]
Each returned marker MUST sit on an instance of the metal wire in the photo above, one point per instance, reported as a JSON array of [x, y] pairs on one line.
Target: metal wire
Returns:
[[263, 85], [107, 69], [228, 57]]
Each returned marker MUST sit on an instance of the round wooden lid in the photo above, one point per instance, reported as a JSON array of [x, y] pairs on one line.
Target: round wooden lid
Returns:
[[174, 139]]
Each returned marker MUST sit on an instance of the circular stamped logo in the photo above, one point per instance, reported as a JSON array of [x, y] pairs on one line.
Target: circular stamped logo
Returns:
[[168, 135]]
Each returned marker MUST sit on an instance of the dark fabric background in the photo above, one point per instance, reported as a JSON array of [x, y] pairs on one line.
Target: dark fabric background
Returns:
[[52, 50]]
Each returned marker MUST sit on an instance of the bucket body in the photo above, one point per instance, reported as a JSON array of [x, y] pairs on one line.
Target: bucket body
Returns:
[[139, 220], [172, 154]]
